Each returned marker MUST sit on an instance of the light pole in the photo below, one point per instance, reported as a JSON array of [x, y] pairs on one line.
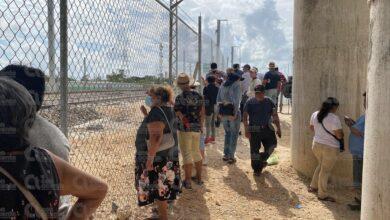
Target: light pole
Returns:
[[219, 40]]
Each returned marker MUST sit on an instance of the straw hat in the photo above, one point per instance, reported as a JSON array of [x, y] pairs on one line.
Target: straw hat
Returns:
[[272, 65], [183, 79]]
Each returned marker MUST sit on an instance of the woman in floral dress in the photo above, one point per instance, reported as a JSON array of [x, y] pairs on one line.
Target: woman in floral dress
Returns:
[[157, 174]]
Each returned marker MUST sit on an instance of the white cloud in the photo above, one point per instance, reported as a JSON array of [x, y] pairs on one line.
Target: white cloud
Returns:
[[247, 24]]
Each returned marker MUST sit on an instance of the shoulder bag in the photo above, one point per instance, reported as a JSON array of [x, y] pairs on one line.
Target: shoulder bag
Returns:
[[29, 196], [168, 141], [341, 141]]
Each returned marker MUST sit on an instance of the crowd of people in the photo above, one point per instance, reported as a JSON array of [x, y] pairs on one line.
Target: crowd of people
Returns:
[[184, 125], [243, 101]]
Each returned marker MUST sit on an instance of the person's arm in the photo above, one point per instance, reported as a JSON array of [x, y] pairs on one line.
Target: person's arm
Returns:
[[265, 80], [237, 97], [356, 132], [89, 190], [246, 125], [276, 121], [156, 133], [311, 125], [338, 128], [339, 134], [144, 111], [202, 115], [177, 109]]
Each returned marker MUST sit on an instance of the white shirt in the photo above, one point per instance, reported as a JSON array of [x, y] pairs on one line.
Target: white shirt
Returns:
[[331, 123], [246, 82], [251, 90]]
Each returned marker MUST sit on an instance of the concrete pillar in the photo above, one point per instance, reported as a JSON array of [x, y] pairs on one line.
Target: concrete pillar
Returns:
[[330, 59], [376, 174]]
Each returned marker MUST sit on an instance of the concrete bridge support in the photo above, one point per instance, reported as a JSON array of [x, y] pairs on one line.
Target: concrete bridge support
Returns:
[[376, 174], [330, 59]]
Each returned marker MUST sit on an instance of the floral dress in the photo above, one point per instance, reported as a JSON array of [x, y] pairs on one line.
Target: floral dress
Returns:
[[163, 183]]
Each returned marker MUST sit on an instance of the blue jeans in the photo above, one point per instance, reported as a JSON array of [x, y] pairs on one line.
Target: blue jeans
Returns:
[[232, 129]]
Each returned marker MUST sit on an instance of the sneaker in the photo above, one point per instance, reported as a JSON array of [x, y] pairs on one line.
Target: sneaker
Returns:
[[232, 161], [225, 158], [207, 141], [212, 139]]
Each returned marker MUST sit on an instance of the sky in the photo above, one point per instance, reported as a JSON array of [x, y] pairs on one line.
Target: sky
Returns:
[[262, 28], [113, 35]]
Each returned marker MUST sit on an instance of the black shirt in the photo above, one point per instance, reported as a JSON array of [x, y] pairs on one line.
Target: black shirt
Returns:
[[260, 112], [274, 78], [190, 104], [35, 170], [210, 93]]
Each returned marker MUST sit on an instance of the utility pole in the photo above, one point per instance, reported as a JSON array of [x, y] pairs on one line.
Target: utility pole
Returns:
[[218, 61], [161, 67], [212, 51], [200, 52], [232, 55], [51, 49], [173, 39]]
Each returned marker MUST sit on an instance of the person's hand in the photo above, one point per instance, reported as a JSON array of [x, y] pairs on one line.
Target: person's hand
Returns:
[[248, 135], [149, 164], [349, 122], [279, 133], [144, 110]]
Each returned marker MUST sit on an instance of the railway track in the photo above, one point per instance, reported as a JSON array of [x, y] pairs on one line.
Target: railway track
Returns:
[[93, 97]]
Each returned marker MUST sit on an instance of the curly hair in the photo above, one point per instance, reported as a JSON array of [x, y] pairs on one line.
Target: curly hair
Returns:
[[164, 93], [17, 114]]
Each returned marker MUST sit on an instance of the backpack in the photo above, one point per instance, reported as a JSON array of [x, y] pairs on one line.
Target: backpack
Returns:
[[287, 90]]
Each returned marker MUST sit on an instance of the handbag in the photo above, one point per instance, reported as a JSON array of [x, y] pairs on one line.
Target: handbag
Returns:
[[341, 141], [29, 196], [168, 141], [226, 109]]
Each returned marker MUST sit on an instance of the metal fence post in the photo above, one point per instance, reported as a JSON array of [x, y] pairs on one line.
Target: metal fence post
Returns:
[[51, 49], [64, 66], [200, 52]]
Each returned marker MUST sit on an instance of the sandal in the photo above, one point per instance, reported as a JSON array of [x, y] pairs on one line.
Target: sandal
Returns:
[[197, 181], [328, 199], [312, 190], [187, 185]]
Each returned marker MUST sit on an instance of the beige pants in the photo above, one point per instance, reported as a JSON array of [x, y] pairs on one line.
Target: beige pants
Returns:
[[327, 157], [189, 147]]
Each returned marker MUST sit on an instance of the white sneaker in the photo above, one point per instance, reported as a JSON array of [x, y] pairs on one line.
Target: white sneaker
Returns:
[[205, 161]]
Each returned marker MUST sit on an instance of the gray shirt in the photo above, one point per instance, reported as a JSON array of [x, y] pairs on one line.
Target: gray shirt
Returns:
[[230, 94], [46, 135]]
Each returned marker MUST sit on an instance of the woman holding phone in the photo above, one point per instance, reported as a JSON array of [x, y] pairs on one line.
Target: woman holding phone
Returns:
[[326, 145]]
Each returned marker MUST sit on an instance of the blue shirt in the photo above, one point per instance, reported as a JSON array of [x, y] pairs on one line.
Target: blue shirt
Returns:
[[356, 144], [273, 78]]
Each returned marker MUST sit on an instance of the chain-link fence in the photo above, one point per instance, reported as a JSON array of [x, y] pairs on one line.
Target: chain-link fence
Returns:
[[116, 50]]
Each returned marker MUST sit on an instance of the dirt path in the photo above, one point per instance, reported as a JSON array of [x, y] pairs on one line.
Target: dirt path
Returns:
[[232, 192]]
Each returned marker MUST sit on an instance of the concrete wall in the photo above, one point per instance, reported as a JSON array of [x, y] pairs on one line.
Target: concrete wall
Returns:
[[330, 59], [376, 174]]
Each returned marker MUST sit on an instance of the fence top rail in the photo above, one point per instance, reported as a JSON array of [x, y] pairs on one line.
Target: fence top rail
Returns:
[[179, 18]]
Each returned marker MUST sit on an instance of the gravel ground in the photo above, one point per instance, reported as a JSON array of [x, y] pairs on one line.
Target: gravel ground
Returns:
[[230, 191]]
